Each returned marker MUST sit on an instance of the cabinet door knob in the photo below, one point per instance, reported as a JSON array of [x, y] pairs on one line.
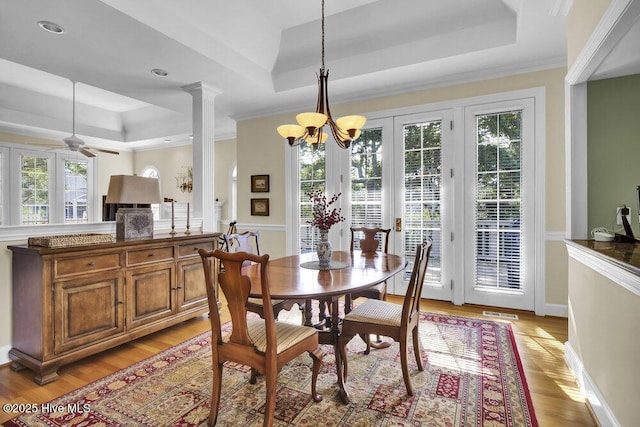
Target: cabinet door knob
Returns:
[[120, 302], [91, 264], [151, 254], [196, 249]]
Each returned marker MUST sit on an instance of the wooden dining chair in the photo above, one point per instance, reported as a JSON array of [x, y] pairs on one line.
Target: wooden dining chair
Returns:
[[368, 244], [389, 319], [222, 242], [248, 241], [263, 344]]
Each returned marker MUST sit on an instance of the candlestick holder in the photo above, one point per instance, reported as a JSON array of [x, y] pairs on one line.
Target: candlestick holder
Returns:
[[173, 222], [187, 231]]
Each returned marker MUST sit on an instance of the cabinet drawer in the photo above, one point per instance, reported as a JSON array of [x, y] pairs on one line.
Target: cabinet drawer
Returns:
[[191, 249], [144, 256], [86, 264]]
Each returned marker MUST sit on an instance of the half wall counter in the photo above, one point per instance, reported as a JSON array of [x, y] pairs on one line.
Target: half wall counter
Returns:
[[604, 326]]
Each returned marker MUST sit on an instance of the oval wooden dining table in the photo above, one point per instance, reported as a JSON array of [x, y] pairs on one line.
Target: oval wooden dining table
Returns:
[[299, 277]]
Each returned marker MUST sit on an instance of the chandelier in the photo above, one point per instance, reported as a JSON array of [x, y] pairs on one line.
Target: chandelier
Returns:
[[310, 127]]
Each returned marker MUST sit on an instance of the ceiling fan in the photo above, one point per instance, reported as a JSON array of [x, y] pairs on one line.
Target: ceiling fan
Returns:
[[76, 144]]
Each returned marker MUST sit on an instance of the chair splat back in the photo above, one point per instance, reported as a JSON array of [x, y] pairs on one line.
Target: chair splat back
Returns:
[[236, 287], [243, 242], [369, 243], [411, 305]]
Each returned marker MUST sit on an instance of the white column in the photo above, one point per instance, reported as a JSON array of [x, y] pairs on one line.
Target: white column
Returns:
[[203, 155]]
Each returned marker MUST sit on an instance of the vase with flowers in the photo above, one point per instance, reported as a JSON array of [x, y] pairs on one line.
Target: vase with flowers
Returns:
[[324, 217]]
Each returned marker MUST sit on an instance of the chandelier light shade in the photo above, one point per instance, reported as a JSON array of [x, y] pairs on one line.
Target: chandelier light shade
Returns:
[[310, 127]]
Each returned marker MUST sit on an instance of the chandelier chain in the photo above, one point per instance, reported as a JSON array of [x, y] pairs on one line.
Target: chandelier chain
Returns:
[[322, 24]]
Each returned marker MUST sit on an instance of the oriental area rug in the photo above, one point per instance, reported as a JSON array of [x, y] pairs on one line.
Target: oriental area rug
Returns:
[[472, 377]]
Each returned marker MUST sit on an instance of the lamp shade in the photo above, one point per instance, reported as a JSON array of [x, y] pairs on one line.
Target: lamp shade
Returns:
[[311, 120], [351, 122], [317, 138], [133, 189], [291, 131]]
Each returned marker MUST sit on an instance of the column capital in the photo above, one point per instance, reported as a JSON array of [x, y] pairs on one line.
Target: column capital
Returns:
[[202, 88]]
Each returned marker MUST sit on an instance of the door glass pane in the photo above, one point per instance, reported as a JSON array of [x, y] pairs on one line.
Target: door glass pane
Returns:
[[312, 175], [498, 201], [34, 190], [423, 184], [366, 181], [75, 191]]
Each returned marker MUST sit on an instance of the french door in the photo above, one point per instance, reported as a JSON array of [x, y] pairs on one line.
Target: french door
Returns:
[[461, 176], [424, 197], [499, 205]]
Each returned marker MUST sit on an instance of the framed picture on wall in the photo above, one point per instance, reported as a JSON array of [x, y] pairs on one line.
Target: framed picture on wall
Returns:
[[259, 183], [260, 207]]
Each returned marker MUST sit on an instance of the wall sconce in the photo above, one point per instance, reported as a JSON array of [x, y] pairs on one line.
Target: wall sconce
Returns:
[[185, 181], [136, 222]]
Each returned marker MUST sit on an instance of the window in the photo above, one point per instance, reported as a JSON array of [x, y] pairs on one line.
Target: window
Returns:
[[312, 175], [47, 187], [76, 191], [150, 172], [366, 179], [422, 193], [498, 200], [34, 189], [156, 208]]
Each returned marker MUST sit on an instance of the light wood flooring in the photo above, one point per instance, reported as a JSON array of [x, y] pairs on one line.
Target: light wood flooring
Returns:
[[556, 398]]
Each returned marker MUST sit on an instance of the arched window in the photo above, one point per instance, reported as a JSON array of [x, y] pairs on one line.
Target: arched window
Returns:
[[152, 172]]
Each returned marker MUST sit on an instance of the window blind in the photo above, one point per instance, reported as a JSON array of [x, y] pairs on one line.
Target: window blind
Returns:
[[312, 175], [423, 184], [498, 201]]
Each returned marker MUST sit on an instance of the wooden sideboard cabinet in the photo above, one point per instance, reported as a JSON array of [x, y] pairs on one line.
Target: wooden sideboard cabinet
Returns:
[[69, 303]]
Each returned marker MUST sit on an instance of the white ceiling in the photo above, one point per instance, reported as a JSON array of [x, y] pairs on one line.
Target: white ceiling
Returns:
[[263, 56]]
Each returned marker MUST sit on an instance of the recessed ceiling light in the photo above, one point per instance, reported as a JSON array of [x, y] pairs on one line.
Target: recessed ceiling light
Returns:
[[190, 136], [51, 27], [166, 141], [158, 72]]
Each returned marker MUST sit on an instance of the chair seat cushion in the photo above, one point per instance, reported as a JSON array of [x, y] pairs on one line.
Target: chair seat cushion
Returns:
[[376, 291], [376, 312], [287, 334], [258, 301]]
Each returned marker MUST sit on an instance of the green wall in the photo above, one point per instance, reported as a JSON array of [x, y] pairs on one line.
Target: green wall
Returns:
[[613, 150]]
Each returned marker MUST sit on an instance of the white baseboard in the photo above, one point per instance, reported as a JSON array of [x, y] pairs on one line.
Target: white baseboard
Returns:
[[558, 310], [603, 413], [4, 355]]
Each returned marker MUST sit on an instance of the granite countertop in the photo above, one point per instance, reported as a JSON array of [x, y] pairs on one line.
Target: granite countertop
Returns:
[[624, 255]]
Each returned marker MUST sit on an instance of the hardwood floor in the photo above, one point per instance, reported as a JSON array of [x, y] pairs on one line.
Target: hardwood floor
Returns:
[[556, 398]]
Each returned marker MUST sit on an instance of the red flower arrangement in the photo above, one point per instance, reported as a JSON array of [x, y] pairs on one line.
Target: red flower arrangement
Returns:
[[323, 215]]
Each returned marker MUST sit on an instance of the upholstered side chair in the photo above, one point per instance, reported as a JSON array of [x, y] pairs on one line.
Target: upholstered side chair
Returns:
[[389, 319], [263, 344]]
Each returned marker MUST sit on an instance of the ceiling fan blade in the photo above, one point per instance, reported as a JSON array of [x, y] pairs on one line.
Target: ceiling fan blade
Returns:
[[102, 150], [86, 152]]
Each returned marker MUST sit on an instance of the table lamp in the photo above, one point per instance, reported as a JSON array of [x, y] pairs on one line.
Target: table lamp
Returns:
[[133, 223]]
